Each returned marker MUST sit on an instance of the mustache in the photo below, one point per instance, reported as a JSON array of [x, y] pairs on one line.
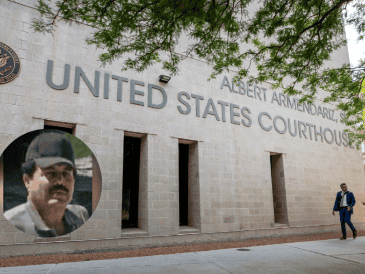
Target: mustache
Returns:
[[58, 187]]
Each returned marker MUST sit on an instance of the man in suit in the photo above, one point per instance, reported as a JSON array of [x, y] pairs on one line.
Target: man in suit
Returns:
[[345, 201]]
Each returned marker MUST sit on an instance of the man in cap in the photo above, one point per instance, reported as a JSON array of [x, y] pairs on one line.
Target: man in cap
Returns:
[[49, 177], [345, 201]]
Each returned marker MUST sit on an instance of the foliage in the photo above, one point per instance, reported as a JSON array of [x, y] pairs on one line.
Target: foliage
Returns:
[[81, 150], [286, 43]]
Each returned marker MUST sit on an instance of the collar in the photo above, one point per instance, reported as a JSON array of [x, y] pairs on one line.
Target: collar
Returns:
[[342, 193], [39, 224], [34, 215], [70, 220]]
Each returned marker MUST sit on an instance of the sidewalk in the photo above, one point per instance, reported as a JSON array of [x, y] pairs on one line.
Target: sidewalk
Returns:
[[328, 256]]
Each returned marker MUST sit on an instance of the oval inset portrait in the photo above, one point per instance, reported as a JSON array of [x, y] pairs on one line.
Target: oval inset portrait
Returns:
[[51, 183], [9, 64]]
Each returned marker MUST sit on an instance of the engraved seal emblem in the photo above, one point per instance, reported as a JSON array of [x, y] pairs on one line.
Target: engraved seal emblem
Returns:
[[9, 64]]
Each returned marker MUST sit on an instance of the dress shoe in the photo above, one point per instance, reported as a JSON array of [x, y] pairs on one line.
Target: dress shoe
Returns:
[[355, 233], [343, 238]]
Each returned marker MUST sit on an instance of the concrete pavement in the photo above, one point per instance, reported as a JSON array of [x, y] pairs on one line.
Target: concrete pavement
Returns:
[[329, 256]]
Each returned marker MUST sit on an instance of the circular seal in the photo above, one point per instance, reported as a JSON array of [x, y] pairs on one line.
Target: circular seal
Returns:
[[9, 64]]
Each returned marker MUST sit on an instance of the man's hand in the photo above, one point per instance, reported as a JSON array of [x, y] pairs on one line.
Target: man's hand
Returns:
[[348, 208], [333, 213]]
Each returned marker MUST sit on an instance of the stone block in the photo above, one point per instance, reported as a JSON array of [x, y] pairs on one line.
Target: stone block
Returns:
[[159, 231], [5, 13], [6, 238], [160, 205], [113, 214], [112, 233], [114, 195], [167, 196], [100, 213], [95, 234]]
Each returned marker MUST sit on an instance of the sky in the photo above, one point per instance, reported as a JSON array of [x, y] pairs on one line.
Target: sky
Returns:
[[356, 49]]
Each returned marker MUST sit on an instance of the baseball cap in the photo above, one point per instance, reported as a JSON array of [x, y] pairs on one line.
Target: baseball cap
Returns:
[[49, 148]]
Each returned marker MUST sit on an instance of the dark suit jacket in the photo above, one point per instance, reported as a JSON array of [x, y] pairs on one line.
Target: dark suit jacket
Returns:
[[350, 199]]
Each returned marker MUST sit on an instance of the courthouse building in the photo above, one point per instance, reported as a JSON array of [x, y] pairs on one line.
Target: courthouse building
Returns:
[[183, 161]]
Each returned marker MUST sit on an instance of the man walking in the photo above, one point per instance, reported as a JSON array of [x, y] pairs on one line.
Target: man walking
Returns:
[[345, 201]]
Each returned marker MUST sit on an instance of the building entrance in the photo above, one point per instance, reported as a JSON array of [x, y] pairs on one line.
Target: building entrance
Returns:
[[131, 164], [278, 189], [183, 183]]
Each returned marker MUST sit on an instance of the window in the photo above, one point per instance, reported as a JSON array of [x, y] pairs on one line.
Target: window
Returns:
[[189, 191], [130, 189], [278, 188]]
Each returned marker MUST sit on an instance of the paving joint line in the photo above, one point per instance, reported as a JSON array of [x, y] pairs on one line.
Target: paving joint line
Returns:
[[152, 265], [49, 271], [347, 254], [214, 263], [332, 256]]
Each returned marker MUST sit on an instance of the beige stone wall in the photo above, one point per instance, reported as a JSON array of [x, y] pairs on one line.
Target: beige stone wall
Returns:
[[231, 188], [160, 186]]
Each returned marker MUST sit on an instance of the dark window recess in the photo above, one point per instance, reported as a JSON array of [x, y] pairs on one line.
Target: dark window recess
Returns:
[[131, 162], [278, 188], [15, 192], [68, 130], [183, 183]]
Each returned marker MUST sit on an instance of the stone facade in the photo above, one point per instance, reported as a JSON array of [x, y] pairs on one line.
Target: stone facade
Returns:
[[230, 182]]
